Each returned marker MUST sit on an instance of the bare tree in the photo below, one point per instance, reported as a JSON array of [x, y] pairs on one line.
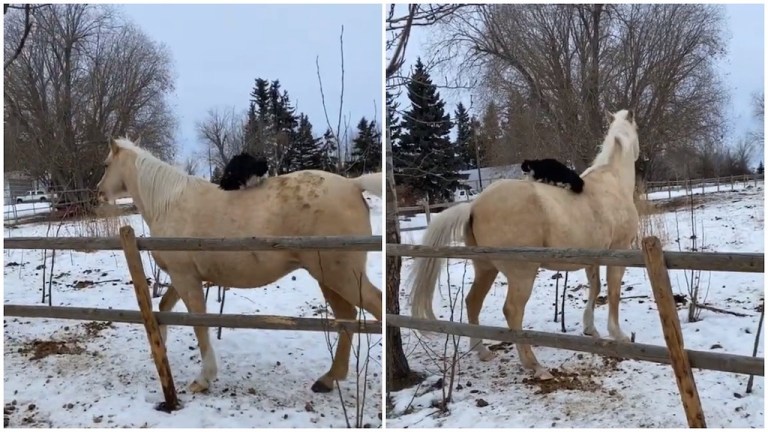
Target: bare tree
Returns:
[[83, 75], [757, 136], [191, 165], [222, 133], [399, 28], [565, 64]]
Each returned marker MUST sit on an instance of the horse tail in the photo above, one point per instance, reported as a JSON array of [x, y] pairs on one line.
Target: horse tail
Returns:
[[447, 226], [370, 182]]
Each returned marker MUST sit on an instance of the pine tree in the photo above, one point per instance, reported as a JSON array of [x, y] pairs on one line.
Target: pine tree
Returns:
[[330, 150], [259, 124], [464, 146], [426, 156], [489, 136], [393, 121], [305, 153], [760, 168], [366, 149], [216, 175]]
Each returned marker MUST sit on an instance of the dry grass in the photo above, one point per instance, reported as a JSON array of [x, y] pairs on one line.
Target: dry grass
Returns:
[[106, 222], [652, 221]]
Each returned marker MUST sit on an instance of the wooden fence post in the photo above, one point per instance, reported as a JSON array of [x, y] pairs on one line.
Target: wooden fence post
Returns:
[[131, 250], [718, 183], [732, 183], [673, 335], [426, 210]]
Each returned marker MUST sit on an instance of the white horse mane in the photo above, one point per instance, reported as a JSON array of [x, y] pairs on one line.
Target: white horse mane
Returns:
[[624, 131], [160, 184]]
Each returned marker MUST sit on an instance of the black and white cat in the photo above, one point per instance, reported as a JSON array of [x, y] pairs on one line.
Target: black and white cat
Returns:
[[244, 171], [553, 172]]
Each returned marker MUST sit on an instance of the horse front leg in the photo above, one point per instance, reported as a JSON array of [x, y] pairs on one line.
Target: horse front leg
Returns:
[[615, 274], [593, 276], [190, 289]]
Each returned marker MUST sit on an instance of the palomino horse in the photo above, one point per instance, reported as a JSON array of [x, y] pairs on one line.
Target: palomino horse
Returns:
[[303, 203], [515, 213]]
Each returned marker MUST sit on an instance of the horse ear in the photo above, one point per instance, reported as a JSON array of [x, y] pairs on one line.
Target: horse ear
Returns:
[[631, 115], [608, 116], [113, 147], [138, 140]]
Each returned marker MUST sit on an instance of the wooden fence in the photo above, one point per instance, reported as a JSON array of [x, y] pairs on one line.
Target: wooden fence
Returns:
[[689, 185], [657, 264], [151, 320]]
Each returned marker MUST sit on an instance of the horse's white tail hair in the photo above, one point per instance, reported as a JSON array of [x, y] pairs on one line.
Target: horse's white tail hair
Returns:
[[370, 182], [447, 226]]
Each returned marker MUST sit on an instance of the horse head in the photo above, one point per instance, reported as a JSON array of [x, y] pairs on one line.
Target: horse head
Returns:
[[113, 183], [623, 124]]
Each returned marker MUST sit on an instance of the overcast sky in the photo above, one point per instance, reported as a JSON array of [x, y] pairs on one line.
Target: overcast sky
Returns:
[[219, 50], [741, 70]]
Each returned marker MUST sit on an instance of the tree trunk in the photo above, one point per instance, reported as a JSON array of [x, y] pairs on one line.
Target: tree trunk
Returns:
[[399, 374]]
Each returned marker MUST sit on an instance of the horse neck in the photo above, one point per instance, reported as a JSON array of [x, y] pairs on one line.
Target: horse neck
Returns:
[[157, 188]]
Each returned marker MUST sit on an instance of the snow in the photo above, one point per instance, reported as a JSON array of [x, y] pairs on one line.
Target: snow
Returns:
[[264, 376], [624, 394]]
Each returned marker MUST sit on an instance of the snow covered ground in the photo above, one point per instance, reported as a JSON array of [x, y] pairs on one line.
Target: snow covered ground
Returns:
[[598, 392], [104, 375]]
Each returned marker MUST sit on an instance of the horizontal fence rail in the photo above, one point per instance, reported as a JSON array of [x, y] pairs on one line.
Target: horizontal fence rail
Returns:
[[606, 347], [350, 243], [708, 261], [262, 322]]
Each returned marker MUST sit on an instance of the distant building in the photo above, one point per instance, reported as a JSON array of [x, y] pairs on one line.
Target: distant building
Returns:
[[16, 183], [488, 175]]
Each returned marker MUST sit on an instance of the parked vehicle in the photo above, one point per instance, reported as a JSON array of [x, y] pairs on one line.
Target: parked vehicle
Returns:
[[35, 196], [464, 195]]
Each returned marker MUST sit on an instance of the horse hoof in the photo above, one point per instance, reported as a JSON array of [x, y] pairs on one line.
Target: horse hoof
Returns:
[[594, 333], [197, 387], [321, 387], [543, 375]]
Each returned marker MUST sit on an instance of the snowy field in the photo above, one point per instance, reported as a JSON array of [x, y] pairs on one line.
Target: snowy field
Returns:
[[593, 391], [103, 374]]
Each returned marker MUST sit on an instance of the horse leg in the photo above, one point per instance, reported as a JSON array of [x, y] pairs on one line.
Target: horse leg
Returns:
[[344, 273], [615, 273], [593, 276], [167, 302], [342, 309], [520, 278], [190, 289], [484, 277]]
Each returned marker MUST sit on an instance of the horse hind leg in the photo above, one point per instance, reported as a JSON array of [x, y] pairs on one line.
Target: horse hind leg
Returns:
[[342, 309], [190, 290], [520, 278], [593, 276], [167, 302], [485, 274], [615, 274]]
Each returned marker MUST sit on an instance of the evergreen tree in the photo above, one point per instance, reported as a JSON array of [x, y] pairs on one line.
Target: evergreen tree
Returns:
[[305, 152], [259, 122], [760, 168], [489, 137], [366, 149], [216, 175], [427, 159], [393, 121], [464, 146], [330, 150]]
